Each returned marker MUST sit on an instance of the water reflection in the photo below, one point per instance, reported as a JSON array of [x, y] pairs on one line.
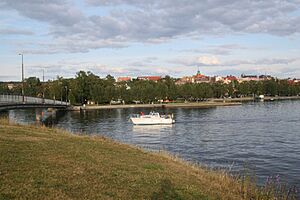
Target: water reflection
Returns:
[[151, 129], [27, 116], [41, 116]]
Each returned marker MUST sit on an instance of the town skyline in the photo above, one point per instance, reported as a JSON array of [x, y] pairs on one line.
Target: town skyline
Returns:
[[134, 38], [197, 77]]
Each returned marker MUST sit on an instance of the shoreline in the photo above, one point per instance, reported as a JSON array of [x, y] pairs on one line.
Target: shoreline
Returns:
[[266, 98], [212, 103], [209, 104]]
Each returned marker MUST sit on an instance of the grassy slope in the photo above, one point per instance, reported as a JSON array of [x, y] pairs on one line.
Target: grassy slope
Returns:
[[42, 163]]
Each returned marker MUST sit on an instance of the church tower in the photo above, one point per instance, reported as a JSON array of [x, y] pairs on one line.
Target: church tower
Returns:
[[198, 72]]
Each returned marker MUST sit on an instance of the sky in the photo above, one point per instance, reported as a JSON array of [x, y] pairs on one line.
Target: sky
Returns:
[[149, 37]]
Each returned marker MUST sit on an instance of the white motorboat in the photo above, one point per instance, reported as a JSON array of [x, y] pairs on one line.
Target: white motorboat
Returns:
[[152, 119]]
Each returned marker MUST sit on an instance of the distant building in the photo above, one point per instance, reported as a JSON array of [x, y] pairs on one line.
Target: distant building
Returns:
[[124, 79], [265, 77], [229, 79], [198, 78], [10, 86], [248, 78], [219, 79], [297, 81], [254, 78], [184, 80], [149, 78], [293, 81], [245, 78]]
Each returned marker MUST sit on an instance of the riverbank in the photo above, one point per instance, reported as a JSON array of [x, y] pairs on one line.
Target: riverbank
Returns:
[[266, 98], [211, 103], [206, 104], [44, 163]]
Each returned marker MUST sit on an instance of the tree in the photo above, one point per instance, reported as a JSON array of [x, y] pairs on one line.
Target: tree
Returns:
[[32, 87], [4, 89], [270, 87]]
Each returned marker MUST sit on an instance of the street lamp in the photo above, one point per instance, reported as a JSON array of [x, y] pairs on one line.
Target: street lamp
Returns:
[[66, 87], [23, 99], [61, 95], [43, 84]]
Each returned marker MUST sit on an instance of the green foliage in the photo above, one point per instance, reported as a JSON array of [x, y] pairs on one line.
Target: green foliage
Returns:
[[32, 87], [56, 89], [87, 86], [3, 89]]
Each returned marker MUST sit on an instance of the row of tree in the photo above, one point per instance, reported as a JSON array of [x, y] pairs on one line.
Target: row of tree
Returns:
[[86, 86]]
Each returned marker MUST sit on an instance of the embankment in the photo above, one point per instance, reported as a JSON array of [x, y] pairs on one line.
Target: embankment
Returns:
[[203, 104], [207, 104], [42, 163]]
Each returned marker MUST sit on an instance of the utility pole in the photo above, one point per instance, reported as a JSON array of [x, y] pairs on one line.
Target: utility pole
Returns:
[[61, 95], [23, 98], [43, 86], [66, 87]]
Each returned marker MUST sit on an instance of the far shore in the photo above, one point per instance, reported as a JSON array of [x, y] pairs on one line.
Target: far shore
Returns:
[[208, 104], [211, 103], [266, 98]]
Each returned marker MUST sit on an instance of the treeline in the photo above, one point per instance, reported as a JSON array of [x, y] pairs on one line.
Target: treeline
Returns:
[[87, 86]]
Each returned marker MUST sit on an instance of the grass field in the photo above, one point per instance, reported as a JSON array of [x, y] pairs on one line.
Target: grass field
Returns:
[[43, 163]]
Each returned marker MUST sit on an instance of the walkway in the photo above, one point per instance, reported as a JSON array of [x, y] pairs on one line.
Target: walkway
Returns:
[[8, 102]]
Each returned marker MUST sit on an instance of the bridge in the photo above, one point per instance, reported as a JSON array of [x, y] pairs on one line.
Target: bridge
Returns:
[[8, 102]]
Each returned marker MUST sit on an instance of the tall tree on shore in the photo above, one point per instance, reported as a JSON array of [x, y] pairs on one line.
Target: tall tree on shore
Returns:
[[4, 89], [32, 87]]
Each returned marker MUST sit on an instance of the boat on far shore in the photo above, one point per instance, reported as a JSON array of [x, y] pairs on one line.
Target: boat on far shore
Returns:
[[153, 118]]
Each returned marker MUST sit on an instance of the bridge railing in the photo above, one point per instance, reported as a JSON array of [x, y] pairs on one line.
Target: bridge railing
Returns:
[[17, 99]]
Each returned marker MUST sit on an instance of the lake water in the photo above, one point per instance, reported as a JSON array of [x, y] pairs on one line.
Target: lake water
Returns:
[[264, 136]]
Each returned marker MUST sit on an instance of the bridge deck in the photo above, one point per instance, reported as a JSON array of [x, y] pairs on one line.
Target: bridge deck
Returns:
[[8, 102]]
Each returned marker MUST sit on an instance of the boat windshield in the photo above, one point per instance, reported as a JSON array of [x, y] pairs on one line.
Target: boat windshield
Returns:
[[154, 114]]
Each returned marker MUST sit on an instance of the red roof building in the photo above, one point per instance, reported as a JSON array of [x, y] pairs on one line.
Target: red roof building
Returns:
[[184, 80], [293, 81], [199, 75], [124, 79], [229, 79], [248, 78], [198, 78]]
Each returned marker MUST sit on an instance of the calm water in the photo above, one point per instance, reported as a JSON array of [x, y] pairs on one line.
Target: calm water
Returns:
[[263, 136]]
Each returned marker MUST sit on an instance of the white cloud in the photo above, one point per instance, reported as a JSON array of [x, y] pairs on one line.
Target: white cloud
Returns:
[[197, 61], [226, 49], [208, 60], [262, 61], [214, 62], [156, 21]]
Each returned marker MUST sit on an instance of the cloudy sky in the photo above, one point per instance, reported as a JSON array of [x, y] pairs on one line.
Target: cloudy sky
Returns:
[[149, 37]]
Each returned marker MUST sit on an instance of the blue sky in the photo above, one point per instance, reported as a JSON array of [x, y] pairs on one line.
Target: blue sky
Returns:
[[142, 37]]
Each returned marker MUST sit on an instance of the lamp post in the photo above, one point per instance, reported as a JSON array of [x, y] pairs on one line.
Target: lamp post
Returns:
[[66, 87], [61, 95], [43, 84], [23, 99]]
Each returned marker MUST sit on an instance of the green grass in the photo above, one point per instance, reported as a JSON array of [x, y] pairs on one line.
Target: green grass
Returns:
[[43, 163]]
